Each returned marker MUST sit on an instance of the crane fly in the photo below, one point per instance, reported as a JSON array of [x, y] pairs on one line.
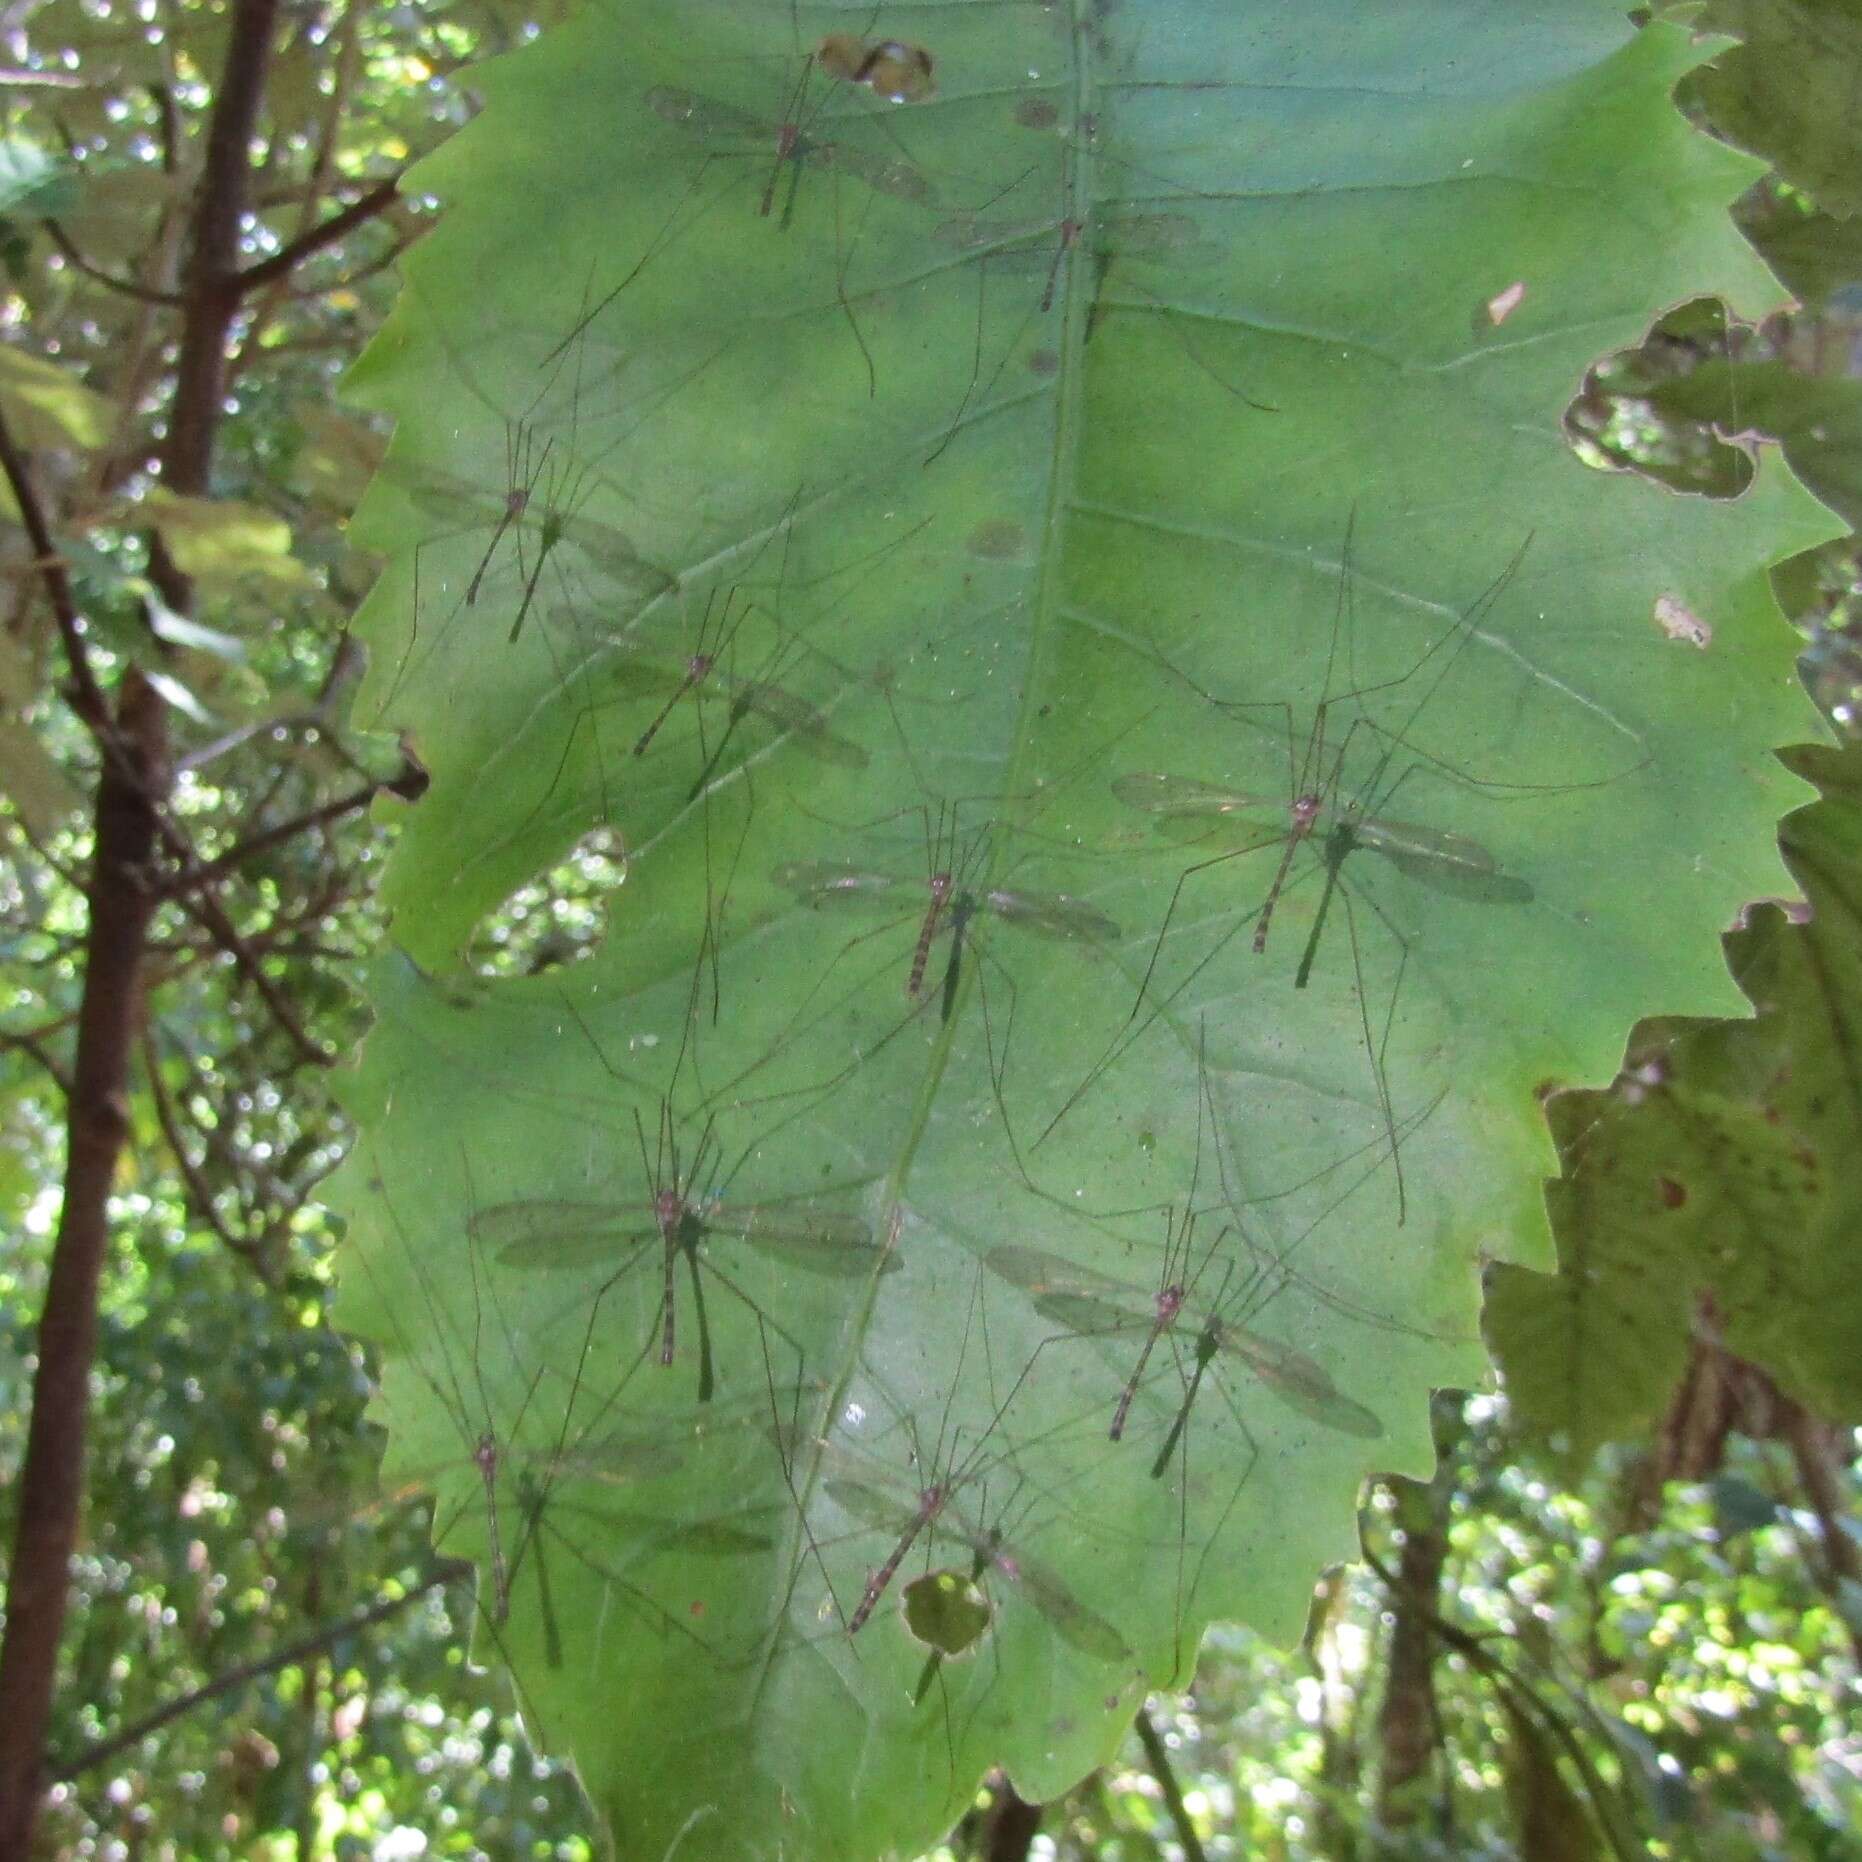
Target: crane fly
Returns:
[[720, 125], [1091, 1304], [554, 1235], [878, 1499], [519, 1482], [703, 673], [948, 904], [871, 1491], [539, 514], [1446, 862]]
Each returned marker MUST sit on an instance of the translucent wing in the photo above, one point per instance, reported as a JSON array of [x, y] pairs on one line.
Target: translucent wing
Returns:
[[824, 1239], [1190, 811], [1300, 1382], [1072, 1620], [1049, 1276], [1053, 914], [1449, 862], [802, 721], [886, 1512], [1184, 795], [822, 882], [714, 121], [562, 1234]]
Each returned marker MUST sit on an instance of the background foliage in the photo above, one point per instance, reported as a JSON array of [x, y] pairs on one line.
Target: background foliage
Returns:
[[1659, 1649]]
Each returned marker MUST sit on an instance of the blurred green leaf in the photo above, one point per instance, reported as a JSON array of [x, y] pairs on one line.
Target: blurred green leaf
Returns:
[[1787, 90], [48, 406], [33, 184], [1717, 1164], [32, 781], [1816, 419], [1549, 1817], [226, 541], [1739, 1507]]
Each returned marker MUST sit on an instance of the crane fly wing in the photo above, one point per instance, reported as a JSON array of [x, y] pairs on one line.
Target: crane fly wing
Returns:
[[1048, 1274], [816, 1236], [721, 1537], [822, 882], [643, 676], [547, 1233], [883, 1511], [1186, 810], [1071, 1619], [1300, 1382], [714, 120], [1450, 863], [803, 721], [1184, 795], [621, 1459], [1053, 914]]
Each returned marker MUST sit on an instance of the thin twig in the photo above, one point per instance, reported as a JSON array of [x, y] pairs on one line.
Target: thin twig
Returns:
[[338, 226], [289, 1656], [200, 1193], [211, 915], [1158, 1755], [285, 830], [128, 287], [87, 696], [27, 1044]]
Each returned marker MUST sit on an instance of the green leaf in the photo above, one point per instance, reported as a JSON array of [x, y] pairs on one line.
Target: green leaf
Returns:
[[1818, 421], [1787, 91], [224, 541], [32, 781], [33, 184], [1715, 1168], [1739, 1507], [1818, 255], [48, 405], [1170, 381], [1550, 1820]]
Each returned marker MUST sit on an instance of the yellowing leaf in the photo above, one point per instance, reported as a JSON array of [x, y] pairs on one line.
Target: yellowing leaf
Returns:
[[31, 781], [223, 540], [47, 405]]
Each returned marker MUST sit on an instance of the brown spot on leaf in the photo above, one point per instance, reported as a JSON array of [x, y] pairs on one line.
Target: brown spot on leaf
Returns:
[[999, 539], [1036, 113], [1673, 1194]]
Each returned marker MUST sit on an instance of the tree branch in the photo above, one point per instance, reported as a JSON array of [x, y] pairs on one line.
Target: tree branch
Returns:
[[51, 1482], [200, 1192], [27, 1044], [211, 286], [1158, 1755], [128, 287], [285, 830], [338, 226], [288, 1657], [87, 698], [208, 911]]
